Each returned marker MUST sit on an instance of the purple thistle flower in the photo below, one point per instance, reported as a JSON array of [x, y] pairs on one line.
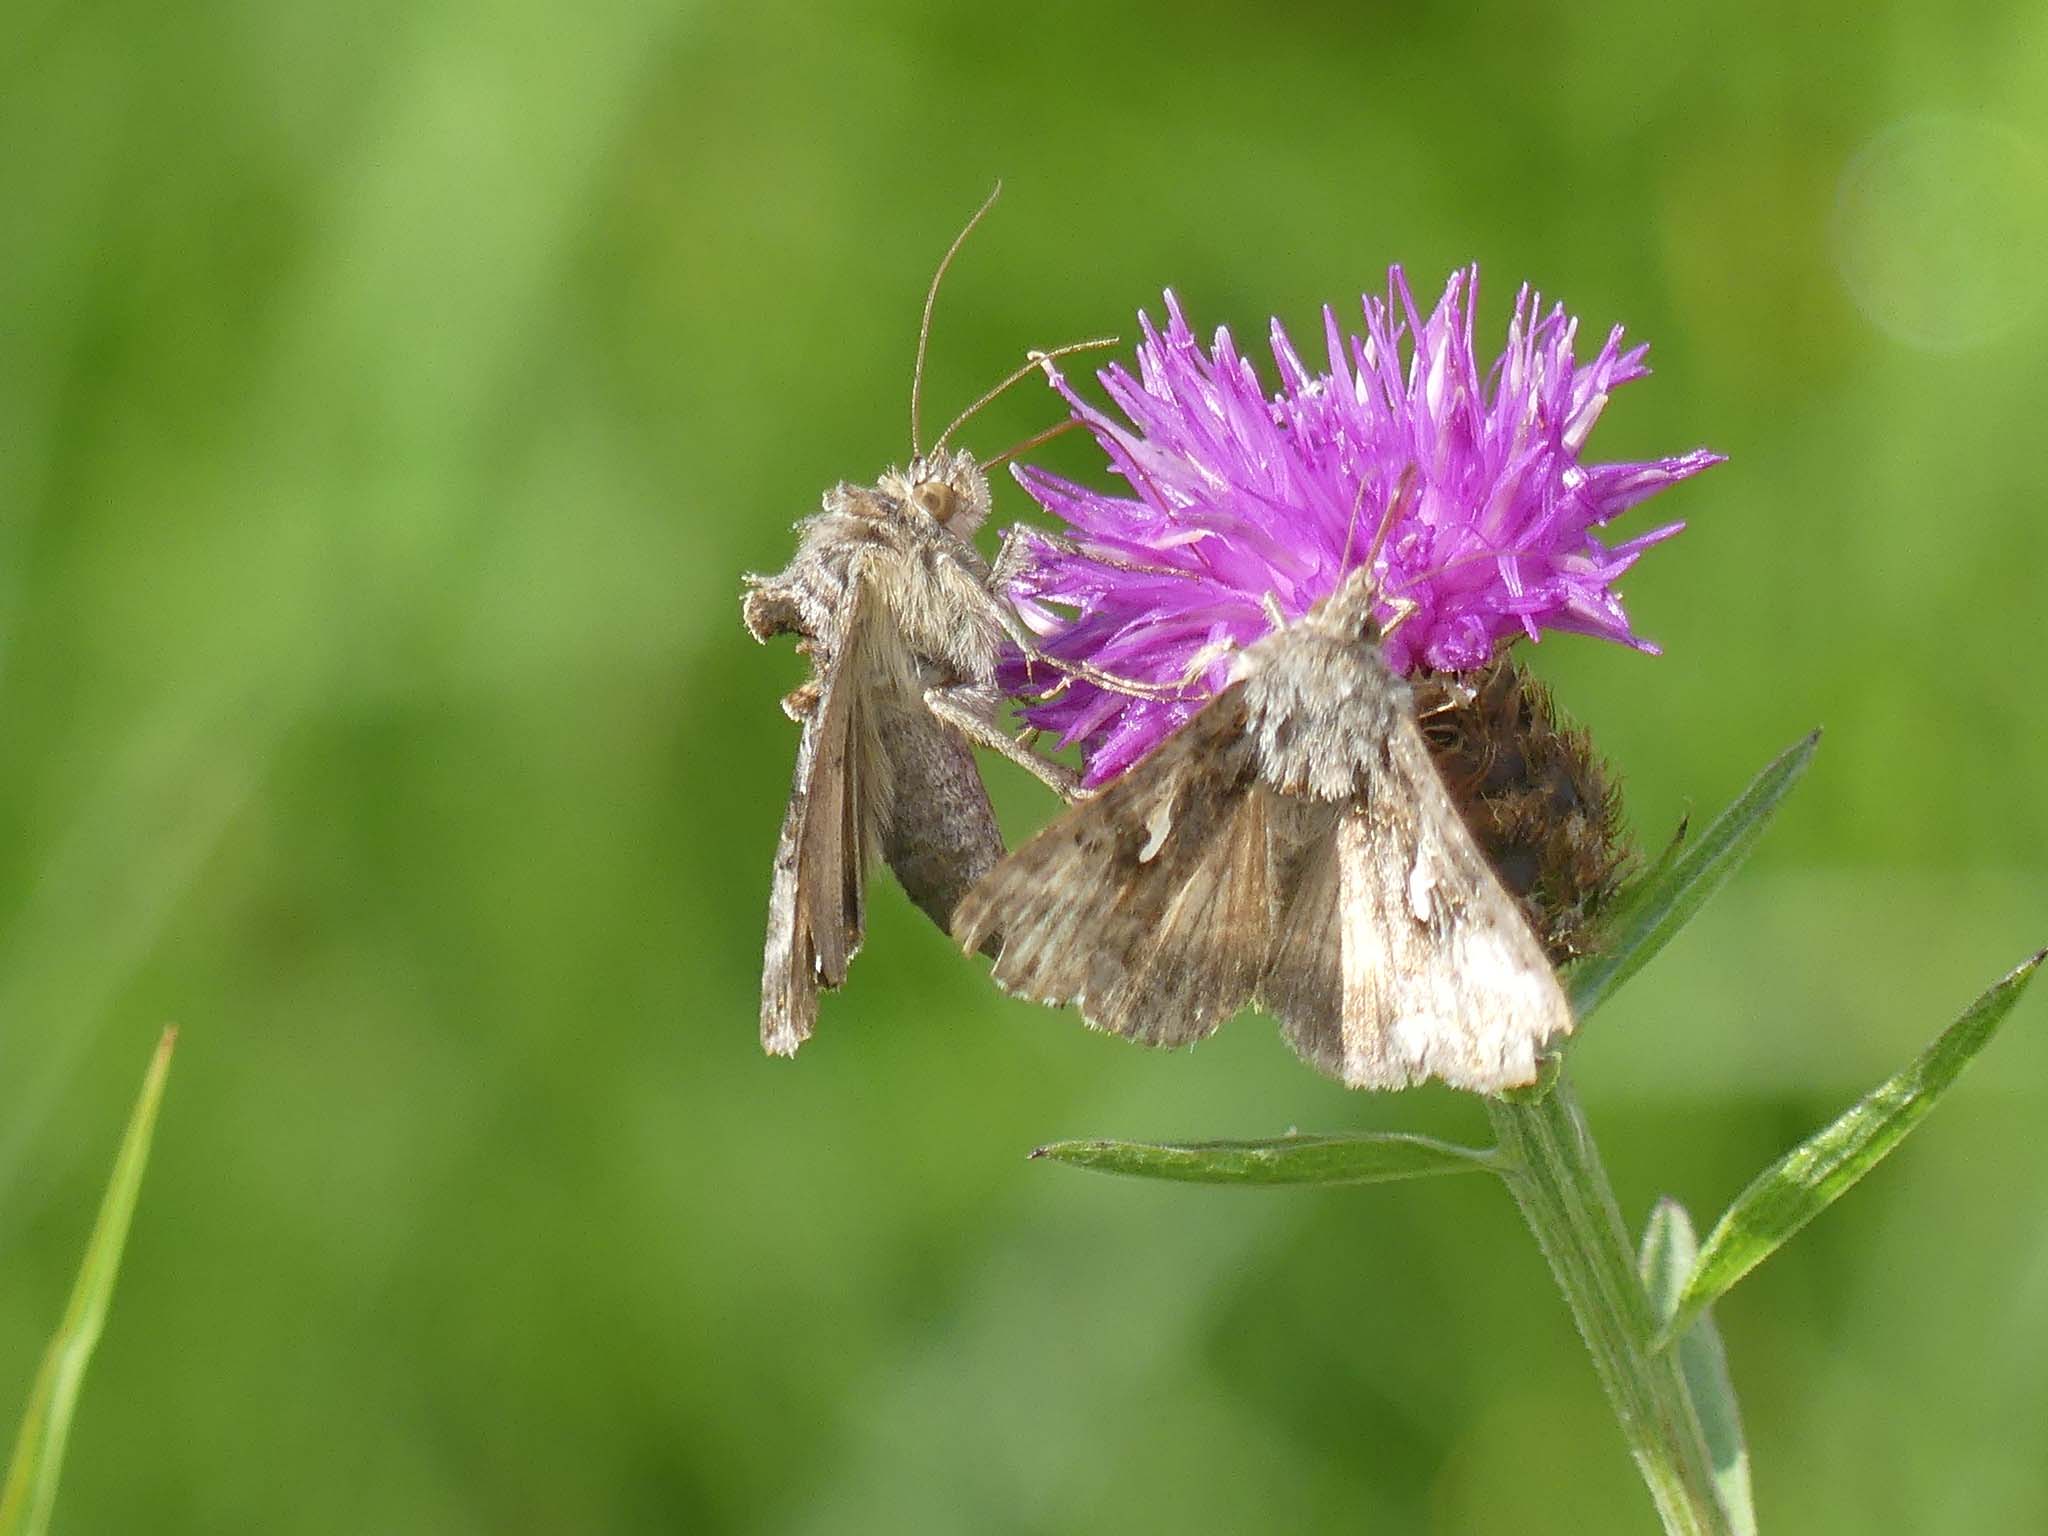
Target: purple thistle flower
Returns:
[[1242, 496]]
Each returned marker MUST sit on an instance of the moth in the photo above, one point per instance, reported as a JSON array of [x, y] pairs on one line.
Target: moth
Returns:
[[1292, 845], [904, 624]]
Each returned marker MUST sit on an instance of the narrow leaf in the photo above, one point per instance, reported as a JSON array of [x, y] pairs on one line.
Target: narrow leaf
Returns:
[[1297, 1160], [1670, 1250], [1653, 910], [31, 1487], [1813, 1175], [1661, 866]]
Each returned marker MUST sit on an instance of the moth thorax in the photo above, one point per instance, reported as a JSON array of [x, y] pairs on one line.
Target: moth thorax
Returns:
[[1534, 794], [1315, 705]]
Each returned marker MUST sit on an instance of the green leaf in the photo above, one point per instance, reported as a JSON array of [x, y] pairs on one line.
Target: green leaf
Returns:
[[1652, 911], [1673, 851], [1816, 1173], [1374, 1158], [31, 1487], [1669, 1252]]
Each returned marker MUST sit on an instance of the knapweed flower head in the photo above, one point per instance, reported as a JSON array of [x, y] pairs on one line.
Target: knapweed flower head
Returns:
[[1246, 501]]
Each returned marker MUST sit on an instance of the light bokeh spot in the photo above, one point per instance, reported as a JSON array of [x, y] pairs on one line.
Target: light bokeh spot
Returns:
[[1941, 230]]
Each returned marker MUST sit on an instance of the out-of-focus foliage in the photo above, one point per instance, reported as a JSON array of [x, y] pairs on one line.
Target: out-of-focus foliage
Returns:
[[390, 397], [1670, 1249], [1810, 1177]]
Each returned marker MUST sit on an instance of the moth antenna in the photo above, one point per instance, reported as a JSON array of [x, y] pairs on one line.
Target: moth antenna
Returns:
[[1033, 441], [1458, 562], [1158, 493], [931, 297], [1350, 530], [1032, 360], [1404, 491]]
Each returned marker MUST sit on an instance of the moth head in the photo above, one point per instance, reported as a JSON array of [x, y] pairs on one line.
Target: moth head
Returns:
[[948, 487], [1348, 611]]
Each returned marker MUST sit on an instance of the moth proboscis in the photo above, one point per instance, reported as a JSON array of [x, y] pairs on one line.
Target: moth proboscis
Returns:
[[1292, 845]]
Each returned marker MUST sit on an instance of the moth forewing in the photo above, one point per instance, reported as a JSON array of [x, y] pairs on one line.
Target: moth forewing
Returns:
[[1303, 983], [1146, 905], [817, 898], [1442, 976], [1293, 845]]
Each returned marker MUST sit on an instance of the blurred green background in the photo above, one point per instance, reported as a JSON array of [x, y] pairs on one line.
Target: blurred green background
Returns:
[[391, 396]]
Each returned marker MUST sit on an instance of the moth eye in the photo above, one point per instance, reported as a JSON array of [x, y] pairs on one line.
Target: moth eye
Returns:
[[936, 500]]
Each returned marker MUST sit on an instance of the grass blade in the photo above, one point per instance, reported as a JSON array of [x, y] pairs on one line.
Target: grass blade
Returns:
[[1816, 1173], [31, 1487], [1670, 1250], [1375, 1158], [1666, 898]]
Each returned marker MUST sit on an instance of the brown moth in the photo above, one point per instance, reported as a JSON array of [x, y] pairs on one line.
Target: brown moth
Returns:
[[904, 624], [904, 635], [1293, 846]]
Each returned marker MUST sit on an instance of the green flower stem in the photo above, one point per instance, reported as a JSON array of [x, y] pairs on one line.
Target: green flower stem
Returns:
[[1555, 1173]]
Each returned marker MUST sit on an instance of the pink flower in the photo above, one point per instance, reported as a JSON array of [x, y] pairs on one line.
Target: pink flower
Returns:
[[1244, 497]]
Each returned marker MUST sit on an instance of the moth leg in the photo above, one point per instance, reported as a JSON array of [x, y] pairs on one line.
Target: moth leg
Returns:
[[1204, 659], [1025, 641], [1010, 557], [1111, 682], [1457, 696], [1072, 546], [1011, 554], [1181, 688], [801, 701], [769, 610], [971, 710]]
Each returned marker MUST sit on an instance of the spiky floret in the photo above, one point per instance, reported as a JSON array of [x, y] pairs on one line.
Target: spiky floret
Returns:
[[1246, 501]]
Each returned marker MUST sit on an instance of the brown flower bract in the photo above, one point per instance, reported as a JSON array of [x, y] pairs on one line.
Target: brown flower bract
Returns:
[[1534, 794]]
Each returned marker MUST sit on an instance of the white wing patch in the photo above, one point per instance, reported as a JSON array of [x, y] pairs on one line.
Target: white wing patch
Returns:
[[1442, 976], [1157, 825]]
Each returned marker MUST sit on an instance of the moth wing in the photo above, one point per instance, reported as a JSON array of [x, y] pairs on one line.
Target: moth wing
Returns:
[[1441, 975], [1304, 982], [1146, 905], [817, 899]]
